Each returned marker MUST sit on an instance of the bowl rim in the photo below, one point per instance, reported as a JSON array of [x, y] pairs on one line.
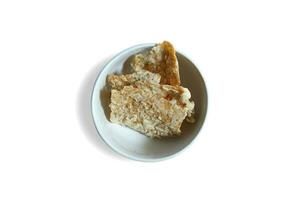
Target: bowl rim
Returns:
[[112, 146]]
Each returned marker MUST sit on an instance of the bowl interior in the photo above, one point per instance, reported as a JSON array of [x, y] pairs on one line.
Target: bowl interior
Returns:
[[131, 143]]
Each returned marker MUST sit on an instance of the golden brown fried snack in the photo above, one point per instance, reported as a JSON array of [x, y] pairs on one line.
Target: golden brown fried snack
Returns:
[[160, 59]]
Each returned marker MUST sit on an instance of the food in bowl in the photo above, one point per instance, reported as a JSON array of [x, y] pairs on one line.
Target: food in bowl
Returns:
[[160, 59], [151, 100]]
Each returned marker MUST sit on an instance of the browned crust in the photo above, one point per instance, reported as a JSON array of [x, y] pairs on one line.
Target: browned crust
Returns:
[[171, 70]]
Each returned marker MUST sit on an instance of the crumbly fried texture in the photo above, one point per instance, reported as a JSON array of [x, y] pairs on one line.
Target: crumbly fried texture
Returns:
[[153, 109], [119, 81], [160, 59]]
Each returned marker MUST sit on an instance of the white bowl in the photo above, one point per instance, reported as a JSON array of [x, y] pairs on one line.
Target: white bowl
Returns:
[[131, 143]]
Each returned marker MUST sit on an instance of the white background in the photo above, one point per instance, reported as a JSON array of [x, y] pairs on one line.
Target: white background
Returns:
[[247, 51]]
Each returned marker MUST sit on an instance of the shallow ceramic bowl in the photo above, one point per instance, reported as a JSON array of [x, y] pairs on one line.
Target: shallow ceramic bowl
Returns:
[[131, 143]]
